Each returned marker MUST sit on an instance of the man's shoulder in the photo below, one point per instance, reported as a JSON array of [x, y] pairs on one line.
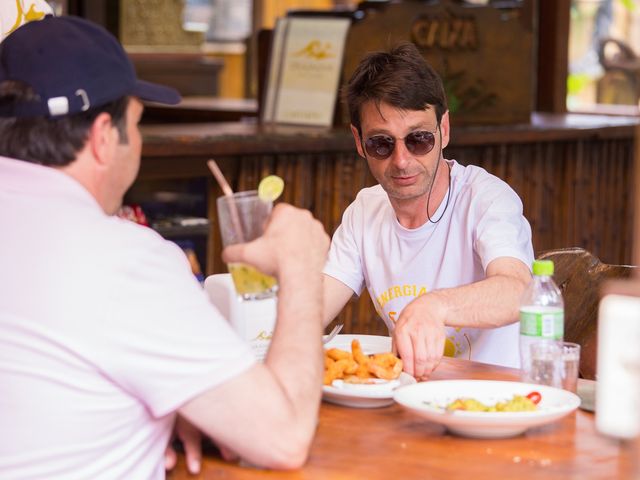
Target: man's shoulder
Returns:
[[373, 192], [368, 200], [371, 196], [137, 237], [473, 175], [477, 182]]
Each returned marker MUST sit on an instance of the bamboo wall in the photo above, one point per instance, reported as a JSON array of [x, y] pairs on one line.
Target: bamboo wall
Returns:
[[577, 188], [572, 195]]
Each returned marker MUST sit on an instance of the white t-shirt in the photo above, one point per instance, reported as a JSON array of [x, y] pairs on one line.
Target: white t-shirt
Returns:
[[482, 222], [104, 334], [16, 13]]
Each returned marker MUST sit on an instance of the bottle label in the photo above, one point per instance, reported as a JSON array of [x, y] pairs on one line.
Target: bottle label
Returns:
[[542, 324]]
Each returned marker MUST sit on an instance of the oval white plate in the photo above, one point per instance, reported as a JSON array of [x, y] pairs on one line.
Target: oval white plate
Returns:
[[358, 395], [428, 400], [369, 343], [365, 396]]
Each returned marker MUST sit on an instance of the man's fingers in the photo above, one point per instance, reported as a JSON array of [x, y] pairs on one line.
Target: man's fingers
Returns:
[[234, 253], [433, 355], [192, 442], [405, 350], [420, 355], [193, 456], [251, 253], [170, 458], [191, 439]]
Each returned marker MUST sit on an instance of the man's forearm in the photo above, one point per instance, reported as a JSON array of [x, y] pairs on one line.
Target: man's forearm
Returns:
[[489, 303], [295, 353], [336, 295]]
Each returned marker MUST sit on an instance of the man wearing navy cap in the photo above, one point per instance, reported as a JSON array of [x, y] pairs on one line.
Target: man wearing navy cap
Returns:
[[105, 336]]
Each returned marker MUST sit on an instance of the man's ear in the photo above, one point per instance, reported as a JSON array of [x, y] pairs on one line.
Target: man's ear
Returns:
[[356, 137], [444, 128], [102, 138]]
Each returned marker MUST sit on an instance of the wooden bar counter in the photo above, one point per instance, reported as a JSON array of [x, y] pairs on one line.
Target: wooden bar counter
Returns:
[[574, 174], [389, 443]]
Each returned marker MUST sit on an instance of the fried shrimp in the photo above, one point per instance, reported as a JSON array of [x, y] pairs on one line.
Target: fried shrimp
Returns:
[[357, 367], [386, 366]]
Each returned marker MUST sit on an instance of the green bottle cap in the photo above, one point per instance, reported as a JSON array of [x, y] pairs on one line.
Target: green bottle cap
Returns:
[[543, 267]]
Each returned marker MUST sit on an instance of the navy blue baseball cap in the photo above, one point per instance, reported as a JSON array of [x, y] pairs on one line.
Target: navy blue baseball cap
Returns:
[[73, 65]]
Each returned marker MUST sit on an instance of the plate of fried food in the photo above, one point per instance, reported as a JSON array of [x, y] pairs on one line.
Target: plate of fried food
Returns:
[[361, 371], [487, 408]]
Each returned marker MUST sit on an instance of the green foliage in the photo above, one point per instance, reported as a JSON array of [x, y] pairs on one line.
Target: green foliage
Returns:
[[453, 101], [576, 82], [629, 4]]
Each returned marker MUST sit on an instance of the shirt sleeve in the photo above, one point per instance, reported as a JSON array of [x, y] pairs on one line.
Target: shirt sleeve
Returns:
[[344, 262], [160, 338], [501, 230]]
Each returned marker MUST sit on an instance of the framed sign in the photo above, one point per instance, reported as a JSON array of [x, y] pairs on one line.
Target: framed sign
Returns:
[[484, 52], [304, 70]]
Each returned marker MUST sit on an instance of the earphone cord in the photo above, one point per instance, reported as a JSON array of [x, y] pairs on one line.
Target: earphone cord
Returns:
[[434, 181]]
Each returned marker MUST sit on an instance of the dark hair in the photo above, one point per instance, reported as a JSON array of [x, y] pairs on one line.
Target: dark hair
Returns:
[[51, 141], [400, 77]]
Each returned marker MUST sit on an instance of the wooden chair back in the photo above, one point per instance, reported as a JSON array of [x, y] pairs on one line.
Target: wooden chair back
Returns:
[[579, 274]]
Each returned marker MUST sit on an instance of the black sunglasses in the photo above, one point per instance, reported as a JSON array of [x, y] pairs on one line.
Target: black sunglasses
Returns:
[[381, 147]]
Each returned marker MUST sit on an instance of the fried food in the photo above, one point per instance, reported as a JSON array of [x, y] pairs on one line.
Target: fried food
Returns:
[[337, 354], [386, 366], [357, 367]]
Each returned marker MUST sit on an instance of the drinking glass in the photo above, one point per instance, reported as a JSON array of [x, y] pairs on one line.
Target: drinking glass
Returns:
[[555, 364], [242, 218]]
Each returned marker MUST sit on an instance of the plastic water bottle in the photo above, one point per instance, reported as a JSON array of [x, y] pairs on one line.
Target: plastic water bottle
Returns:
[[541, 313]]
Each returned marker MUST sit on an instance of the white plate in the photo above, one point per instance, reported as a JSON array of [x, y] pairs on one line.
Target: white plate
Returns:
[[364, 396], [428, 400], [369, 343]]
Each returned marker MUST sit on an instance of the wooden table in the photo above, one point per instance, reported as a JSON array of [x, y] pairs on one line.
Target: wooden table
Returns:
[[389, 443]]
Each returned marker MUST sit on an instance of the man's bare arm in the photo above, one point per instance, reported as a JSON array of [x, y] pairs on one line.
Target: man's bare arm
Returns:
[[419, 334], [336, 295], [268, 414], [492, 302]]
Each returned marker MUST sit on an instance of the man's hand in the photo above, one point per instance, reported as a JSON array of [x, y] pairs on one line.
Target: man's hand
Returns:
[[191, 439], [292, 238], [419, 336]]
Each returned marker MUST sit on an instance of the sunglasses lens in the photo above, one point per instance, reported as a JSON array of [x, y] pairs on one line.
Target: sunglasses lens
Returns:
[[420, 143], [379, 146]]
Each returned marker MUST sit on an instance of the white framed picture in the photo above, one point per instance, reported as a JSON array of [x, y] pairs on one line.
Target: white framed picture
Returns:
[[304, 70]]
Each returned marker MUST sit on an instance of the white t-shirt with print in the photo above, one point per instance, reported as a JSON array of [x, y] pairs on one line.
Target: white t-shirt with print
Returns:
[[16, 13], [482, 222]]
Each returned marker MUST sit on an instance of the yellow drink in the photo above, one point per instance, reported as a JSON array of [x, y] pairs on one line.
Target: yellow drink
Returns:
[[251, 283]]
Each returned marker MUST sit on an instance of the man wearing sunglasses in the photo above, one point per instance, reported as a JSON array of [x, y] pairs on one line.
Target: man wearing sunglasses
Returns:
[[443, 249]]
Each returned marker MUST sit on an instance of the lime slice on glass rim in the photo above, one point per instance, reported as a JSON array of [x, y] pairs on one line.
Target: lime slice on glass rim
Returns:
[[270, 188]]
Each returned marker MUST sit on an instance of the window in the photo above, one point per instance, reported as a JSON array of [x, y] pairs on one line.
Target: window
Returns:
[[221, 20], [604, 56]]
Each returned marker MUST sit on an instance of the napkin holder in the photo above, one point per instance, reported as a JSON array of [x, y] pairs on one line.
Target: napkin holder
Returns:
[[253, 320]]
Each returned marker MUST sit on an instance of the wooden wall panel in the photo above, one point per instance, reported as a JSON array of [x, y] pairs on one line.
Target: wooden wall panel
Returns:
[[576, 186], [573, 195]]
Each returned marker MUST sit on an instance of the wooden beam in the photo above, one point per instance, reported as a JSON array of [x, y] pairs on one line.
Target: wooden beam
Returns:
[[636, 203], [553, 55]]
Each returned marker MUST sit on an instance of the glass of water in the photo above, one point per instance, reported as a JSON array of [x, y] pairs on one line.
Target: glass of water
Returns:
[[555, 364]]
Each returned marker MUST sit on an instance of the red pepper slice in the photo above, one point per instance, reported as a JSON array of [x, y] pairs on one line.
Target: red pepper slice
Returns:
[[535, 397]]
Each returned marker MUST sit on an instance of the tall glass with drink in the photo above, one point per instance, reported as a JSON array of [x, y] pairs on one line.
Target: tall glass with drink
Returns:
[[242, 218]]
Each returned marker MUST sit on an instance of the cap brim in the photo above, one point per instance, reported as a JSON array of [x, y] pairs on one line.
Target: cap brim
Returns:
[[153, 92]]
